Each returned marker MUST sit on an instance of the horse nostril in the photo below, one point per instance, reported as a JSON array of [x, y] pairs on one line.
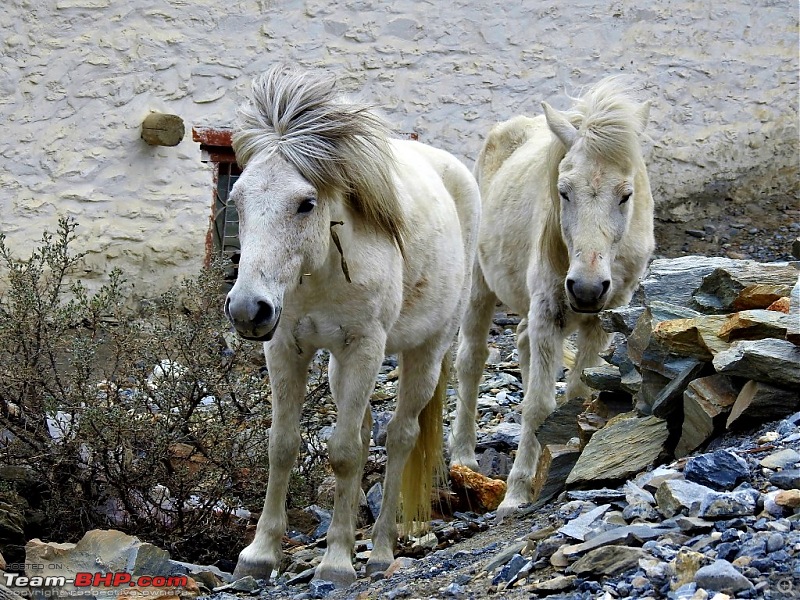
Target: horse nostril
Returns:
[[606, 284], [263, 312], [571, 286], [227, 309]]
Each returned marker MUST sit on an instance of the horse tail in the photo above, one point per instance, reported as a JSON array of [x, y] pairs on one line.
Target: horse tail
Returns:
[[425, 464], [570, 353]]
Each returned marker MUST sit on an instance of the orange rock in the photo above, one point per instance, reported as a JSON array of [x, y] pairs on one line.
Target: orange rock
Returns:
[[788, 498], [483, 491], [780, 305]]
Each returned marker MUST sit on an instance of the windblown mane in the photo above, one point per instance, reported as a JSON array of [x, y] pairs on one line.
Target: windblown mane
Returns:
[[609, 126], [337, 145]]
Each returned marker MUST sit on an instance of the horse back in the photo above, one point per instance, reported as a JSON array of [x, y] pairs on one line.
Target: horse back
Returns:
[[503, 140]]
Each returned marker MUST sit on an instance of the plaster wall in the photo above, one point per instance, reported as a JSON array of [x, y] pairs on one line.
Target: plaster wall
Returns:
[[77, 77]]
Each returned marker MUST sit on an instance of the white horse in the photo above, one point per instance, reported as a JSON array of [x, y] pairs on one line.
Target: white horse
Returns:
[[566, 231], [362, 245]]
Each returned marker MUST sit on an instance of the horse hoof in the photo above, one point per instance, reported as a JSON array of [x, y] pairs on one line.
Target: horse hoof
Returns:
[[377, 567], [255, 568], [340, 577]]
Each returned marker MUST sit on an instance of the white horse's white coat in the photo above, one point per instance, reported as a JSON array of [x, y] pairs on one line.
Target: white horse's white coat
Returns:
[[292, 290], [566, 231]]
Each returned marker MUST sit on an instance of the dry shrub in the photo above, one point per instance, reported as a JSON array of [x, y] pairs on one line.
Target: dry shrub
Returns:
[[154, 423]]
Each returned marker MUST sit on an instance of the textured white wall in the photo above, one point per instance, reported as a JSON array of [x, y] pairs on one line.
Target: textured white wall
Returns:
[[77, 77]]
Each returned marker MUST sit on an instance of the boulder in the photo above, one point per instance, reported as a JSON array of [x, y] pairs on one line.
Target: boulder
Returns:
[[626, 445], [769, 360]]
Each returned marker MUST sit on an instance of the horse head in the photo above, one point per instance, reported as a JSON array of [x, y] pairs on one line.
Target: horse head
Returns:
[[596, 189], [284, 232]]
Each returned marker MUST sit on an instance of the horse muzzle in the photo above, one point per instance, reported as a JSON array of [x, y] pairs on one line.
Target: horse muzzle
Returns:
[[254, 319], [587, 296]]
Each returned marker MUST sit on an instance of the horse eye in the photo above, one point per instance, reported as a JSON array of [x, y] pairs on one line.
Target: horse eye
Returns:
[[625, 198], [307, 205], [564, 196]]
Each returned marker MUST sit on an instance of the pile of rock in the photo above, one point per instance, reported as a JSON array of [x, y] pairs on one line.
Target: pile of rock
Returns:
[[711, 346]]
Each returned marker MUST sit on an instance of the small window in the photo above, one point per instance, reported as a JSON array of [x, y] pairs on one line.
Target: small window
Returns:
[[223, 234]]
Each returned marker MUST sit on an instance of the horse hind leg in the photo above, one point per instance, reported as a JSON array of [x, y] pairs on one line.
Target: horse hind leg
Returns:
[[470, 363], [421, 392], [590, 342], [544, 341]]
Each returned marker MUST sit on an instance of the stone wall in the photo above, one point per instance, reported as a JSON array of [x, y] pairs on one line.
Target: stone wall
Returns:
[[77, 77]]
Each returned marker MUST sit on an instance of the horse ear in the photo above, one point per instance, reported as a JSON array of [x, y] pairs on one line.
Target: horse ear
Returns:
[[643, 115], [560, 125]]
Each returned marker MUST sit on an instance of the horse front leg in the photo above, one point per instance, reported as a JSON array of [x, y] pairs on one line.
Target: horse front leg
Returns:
[[288, 373], [352, 373], [591, 341], [420, 370], [470, 363], [544, 339]]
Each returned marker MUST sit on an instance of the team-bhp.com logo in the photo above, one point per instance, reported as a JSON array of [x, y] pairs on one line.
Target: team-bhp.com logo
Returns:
[[101, 580]]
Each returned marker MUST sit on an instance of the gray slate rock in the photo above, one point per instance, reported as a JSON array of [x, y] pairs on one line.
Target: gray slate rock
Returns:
[[788, 479], [720, 470], [769, 360], [678, 496], [722, 576]]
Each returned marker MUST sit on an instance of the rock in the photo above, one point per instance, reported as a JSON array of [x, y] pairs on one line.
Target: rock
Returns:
[[674, 280], [773, 361], [504, 436], [760, 402], [744, 285], [588, 424], [685, 566], [696, 337], [321, 588], [116, 551], [642, 334], [604, 377], [786, 479], [676, 496], [608, 561], [651, 480], [626, 445], [504, 556], [720, 470], [375, 499], [786, 458], [510, 569], [480, 491], [555, 464], [618, 535], [380, 421], [493, 463], [780, 305], [622, 319], [560, 426], [722, 576], [547, 587], [788, 498], [322, 517], [579, 527], [793, 330], [754, 325], [400, 563], [706, 403], [668, 399], [738, 503]]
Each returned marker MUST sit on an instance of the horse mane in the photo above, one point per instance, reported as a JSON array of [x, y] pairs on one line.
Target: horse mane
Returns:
[[337, 145], [609, 126]]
